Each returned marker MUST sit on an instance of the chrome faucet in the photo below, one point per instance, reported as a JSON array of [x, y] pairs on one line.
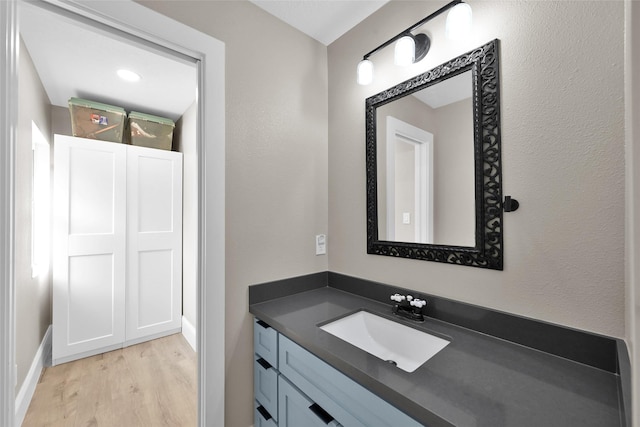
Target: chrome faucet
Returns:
[[408, 307]]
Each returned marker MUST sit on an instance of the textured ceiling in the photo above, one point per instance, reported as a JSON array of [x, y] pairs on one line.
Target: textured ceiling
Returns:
[[324, 20]]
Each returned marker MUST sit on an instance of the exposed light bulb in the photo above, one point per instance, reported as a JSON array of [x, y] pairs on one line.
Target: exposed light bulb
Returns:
[[365, 72], [128, 75], [458, 23], [405, 51]]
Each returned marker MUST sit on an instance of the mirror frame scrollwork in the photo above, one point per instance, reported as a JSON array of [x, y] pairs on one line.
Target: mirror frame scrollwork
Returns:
[[488, 249]]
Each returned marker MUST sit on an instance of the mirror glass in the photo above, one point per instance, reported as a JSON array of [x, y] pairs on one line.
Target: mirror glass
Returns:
[[434, 183], [426, 167]]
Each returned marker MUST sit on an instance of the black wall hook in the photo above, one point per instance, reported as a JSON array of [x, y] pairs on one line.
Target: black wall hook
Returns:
[[510, 204]]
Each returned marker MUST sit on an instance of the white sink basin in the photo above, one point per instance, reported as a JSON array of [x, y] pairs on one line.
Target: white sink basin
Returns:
[[391, 341]]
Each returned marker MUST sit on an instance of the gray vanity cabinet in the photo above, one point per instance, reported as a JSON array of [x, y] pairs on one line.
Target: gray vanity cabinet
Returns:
[[265, 374], [297, 410], [349, 402], [262, 417], [309, 392]]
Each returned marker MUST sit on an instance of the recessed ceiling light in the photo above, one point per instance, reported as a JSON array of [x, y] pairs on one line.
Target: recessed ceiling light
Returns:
[[128, 75]]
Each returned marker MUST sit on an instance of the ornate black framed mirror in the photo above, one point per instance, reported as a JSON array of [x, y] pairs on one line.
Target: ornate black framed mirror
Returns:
[[434, 181]]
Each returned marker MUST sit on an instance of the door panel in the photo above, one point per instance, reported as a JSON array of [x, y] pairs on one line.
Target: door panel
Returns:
[[154, 203], [90, 298], [91, 201], [89, 240], [155, 296], [154, 192], [117, 275]]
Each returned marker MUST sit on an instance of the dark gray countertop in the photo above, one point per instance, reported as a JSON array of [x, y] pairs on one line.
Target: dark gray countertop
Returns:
[[477, 380]]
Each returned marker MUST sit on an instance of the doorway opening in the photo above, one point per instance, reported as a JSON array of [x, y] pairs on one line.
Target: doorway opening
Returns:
[[170, 35], [409, 182]]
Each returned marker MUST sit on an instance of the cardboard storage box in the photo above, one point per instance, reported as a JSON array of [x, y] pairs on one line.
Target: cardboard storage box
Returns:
[[95, 120], [150, 131]]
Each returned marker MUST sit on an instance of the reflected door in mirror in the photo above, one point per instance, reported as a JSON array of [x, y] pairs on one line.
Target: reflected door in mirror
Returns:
[[426, 190]]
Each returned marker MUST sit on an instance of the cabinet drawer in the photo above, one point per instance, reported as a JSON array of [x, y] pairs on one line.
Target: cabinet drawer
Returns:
[[265, 342], [349, 402], [262, 417], [297, 410], [265, 384]]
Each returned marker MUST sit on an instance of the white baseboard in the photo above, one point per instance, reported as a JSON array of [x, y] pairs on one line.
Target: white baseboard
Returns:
[[40, 360], [189, 332]]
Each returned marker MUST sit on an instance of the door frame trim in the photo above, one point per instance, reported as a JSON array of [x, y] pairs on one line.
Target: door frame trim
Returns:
[[8, 132]]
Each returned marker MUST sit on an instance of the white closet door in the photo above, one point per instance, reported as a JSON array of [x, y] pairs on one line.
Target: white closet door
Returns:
[[154, 202], [89, 247]]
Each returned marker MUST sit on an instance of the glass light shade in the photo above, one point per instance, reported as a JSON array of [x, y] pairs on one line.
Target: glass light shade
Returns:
[[458, 23], [365, 72], [405, 51]]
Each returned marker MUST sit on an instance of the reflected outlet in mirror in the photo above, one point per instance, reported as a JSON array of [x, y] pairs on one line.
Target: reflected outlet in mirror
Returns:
[[405, 347]]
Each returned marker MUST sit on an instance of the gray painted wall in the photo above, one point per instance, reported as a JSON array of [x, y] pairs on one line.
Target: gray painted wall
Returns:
[[33, 295], [632, 119], [563, 158], [276, 163], [454, 193]]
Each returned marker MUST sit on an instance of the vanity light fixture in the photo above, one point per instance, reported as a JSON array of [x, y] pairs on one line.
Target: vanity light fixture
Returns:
[[365, 72], [411, 48], [458, 23]]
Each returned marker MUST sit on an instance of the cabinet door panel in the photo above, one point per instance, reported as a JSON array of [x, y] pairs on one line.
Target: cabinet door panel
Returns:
[[262, 418], [296, 410], [348, 401], [91, 189], [90, 298], [265, 342], [89, 209], [155, 296], [265, 384], [154, 227], [154, 189]]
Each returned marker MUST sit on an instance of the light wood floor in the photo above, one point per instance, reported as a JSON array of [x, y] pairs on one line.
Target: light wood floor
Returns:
[[149, 384]]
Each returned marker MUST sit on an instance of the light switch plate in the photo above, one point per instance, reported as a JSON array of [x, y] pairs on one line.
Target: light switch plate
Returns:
[[321, 244], [406, 217]]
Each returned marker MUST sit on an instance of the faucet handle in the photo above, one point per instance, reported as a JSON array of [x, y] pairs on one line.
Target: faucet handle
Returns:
[[419, 303], [398, 297]]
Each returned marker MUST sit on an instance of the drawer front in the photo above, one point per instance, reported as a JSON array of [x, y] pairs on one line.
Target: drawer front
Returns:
[[262, 417], [297, 410], [265, 385], [346, 400], [265, 342]]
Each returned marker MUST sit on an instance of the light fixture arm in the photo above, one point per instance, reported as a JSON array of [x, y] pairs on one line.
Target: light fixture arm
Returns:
[[414, 26]]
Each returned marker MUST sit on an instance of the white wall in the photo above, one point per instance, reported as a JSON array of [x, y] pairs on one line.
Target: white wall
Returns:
[[33, 295], [563, 158], [186, 136]]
